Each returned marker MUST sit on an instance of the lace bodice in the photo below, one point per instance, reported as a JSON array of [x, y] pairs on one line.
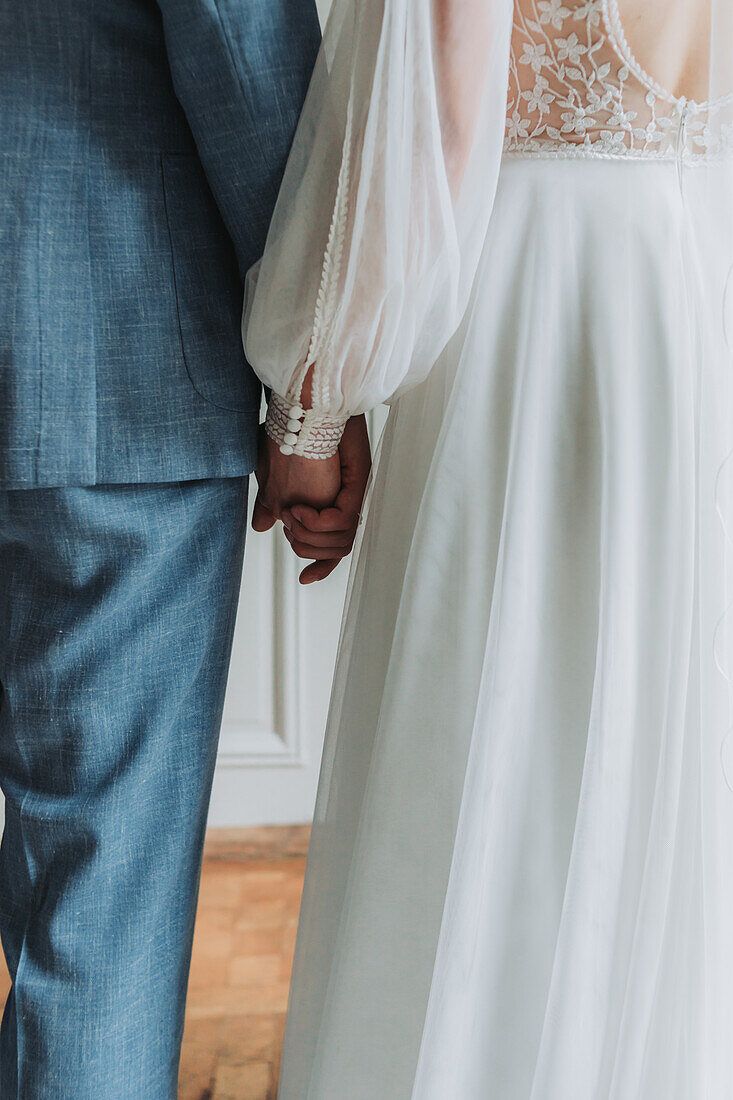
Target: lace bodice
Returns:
[[575, 87]]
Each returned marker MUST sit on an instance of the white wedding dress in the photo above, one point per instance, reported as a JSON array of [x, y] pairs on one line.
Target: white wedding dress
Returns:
[[521, 878]]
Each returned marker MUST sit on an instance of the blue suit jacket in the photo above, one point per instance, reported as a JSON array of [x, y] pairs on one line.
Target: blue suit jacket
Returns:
[[141, 150]]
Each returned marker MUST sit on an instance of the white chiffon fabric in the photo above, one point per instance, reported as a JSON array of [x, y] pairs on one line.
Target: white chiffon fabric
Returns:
[[520, 884], [383, 211]]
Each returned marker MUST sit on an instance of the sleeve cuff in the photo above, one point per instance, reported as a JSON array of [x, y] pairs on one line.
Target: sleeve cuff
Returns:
[[303, 432]]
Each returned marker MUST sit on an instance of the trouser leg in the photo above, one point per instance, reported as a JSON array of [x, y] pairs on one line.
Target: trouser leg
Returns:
[[117, 608]]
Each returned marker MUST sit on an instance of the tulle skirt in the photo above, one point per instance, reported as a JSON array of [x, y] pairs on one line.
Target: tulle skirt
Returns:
[[519, 885]]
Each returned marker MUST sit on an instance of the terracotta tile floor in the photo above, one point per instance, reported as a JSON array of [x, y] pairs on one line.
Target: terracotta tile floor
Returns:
[[242, 955]]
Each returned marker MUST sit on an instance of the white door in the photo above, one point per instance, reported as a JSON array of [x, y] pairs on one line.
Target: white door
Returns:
[[279, 683]]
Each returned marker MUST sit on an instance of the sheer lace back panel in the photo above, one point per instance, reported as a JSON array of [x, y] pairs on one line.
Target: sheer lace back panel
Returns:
[[576, 88]]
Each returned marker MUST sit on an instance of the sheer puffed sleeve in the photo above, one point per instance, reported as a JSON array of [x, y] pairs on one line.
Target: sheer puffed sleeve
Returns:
[[383, 211]]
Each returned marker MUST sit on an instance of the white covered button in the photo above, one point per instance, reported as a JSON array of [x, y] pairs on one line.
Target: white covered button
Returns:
[[296, 413], [286, 449], [290, 438], [294, 425]]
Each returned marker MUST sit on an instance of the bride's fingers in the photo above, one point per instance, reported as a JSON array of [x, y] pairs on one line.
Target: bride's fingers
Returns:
[[317, 538], [330, 519], [305, 515], [317, 553]]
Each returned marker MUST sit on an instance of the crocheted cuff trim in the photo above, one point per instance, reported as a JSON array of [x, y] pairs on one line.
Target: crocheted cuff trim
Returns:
[[304, 432]]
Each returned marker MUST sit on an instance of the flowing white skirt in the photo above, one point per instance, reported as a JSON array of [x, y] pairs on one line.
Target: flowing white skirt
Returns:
[[519, 885]]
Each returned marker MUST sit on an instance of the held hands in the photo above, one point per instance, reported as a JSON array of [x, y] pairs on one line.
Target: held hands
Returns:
[[317, 500]]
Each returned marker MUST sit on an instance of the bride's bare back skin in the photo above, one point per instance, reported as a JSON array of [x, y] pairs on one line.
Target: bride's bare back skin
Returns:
[[671, 40]]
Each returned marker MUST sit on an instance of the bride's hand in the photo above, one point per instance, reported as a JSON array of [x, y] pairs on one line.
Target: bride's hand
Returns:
[[284, 480]]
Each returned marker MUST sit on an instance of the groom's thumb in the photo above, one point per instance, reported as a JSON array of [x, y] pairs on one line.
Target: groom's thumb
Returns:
[[262, 517]]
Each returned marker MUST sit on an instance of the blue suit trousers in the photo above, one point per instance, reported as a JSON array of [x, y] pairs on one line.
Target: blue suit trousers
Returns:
[[117, 609]]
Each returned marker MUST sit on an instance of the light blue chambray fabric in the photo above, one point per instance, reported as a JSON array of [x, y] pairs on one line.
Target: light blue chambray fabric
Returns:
[[142, 148], [117, 607]]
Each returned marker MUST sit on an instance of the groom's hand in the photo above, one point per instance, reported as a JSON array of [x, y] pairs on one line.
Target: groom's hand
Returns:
[[326, 534]]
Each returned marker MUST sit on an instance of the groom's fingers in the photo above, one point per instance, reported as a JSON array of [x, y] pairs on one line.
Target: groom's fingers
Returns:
[[318, 571], [262, 517]]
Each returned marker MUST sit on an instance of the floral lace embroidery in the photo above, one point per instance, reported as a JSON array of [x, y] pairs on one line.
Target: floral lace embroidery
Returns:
[[575, 87]]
